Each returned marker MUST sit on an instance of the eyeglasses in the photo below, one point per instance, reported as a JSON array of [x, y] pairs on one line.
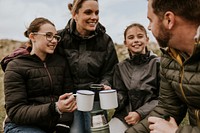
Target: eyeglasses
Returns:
[[49, 36]]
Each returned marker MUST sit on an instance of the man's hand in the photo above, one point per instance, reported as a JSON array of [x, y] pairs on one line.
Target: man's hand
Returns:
[[160, 125]]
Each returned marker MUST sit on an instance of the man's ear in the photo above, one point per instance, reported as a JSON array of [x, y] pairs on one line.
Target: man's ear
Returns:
[[169, 19]]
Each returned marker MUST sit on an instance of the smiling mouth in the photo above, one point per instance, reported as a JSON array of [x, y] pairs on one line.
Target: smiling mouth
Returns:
[[136, 45], [52, 46], [92, 23]]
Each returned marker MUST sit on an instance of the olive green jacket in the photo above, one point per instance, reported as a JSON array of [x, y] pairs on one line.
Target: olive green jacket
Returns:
[[179, 91]]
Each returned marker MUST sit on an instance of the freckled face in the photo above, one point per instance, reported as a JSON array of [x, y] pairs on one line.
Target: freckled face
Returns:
[[136, 40], [87, 17]]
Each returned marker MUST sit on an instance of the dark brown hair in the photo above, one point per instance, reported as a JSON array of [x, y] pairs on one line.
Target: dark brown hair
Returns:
[[36, 24], [141, 27], [187, 9], [35, 27]]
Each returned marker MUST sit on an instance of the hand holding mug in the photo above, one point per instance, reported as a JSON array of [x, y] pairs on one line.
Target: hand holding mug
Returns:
[[66, 103], [106, 87]]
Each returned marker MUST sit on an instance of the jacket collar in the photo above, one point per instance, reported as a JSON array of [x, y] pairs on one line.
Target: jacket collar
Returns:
[[141, 58], [181, 57]]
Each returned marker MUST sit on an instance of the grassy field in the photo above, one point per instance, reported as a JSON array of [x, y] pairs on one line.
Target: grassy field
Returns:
[[6, 46], [2, 110]]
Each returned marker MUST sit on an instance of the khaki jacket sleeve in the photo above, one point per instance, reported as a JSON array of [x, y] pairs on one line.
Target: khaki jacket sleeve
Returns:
[[188, 129]]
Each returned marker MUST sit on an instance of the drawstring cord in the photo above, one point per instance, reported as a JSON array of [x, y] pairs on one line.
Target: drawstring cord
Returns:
[[197, 115]]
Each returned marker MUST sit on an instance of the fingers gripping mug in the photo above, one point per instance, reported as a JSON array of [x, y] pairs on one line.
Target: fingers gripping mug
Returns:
[[85, 100], [108, 99]]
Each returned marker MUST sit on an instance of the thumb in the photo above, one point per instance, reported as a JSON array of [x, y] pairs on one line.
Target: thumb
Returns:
[[127, 117], [65, 96]]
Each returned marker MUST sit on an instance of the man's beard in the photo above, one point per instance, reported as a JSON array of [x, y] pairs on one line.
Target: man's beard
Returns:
[[163, 37]]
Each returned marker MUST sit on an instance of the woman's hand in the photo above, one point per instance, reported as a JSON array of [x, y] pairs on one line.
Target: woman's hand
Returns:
[[132, 118], [106, 87], [66, 103]]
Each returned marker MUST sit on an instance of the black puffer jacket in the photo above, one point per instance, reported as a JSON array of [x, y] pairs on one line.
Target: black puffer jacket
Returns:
[[137, 81], [91, 58], [31, 89]]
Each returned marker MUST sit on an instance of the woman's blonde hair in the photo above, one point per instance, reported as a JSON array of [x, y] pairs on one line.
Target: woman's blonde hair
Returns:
[[76, 6]]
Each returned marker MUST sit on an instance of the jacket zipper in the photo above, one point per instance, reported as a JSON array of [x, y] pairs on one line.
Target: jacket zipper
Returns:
[[49, 75], [181, 78], [51, 84]]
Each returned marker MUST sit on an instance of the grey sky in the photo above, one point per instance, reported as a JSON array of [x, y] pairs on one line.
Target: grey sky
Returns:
[[115, 15]]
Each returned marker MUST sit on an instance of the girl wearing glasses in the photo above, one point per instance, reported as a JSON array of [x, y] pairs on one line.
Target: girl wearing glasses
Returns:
[[89, 51], [35, 93]]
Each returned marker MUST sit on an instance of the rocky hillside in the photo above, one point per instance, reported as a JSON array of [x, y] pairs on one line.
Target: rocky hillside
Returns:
[[6, 46]]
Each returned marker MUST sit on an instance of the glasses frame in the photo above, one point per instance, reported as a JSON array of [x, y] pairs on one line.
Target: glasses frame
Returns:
[[49, 37]]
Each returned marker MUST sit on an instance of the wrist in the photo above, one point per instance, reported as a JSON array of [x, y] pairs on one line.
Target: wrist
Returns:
[[57, 109]]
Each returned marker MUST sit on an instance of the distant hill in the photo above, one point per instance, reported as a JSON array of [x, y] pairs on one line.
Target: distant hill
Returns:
[[7, 46]]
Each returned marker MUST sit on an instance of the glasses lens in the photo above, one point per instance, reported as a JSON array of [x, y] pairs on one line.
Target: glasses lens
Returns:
[[49, 36], [58, 38]]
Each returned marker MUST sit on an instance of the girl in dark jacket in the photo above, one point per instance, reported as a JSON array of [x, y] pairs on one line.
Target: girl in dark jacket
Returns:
[[35, 93], [89, 51], [136, 80]]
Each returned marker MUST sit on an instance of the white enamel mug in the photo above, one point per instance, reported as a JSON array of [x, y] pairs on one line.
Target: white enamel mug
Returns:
[[85, 100], [108, 99]]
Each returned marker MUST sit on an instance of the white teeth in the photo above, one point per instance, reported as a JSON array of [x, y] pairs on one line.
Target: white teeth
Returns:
[[92, 23], [52, 47], [136, 45]]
